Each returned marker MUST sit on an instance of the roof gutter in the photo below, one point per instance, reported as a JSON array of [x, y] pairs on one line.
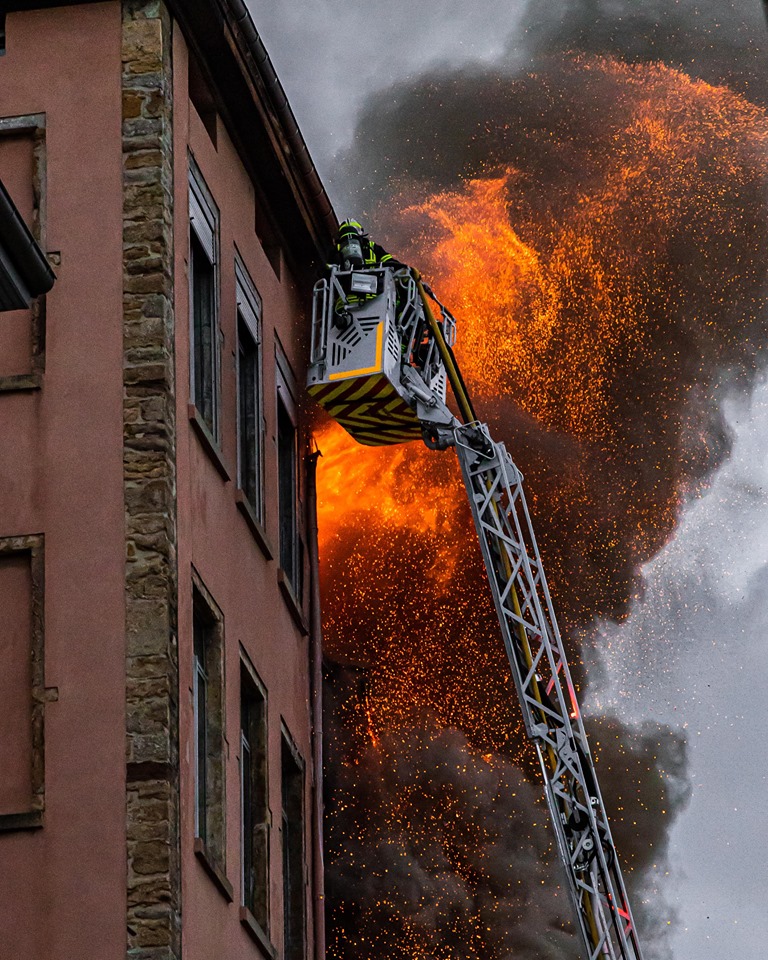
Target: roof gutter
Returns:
[[316, 694]]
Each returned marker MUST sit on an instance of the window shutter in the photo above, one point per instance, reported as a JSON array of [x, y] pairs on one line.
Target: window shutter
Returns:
[[248, 301], [203, 214]]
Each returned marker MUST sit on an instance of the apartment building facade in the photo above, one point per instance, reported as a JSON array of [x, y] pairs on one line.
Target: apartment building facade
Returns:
[[159, 724]]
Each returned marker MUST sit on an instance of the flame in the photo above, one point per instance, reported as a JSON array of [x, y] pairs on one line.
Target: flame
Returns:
[[356, 482], [548, 310], [371, 726]]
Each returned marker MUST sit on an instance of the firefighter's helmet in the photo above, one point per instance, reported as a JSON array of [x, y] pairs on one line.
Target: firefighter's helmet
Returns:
[[350, 228]]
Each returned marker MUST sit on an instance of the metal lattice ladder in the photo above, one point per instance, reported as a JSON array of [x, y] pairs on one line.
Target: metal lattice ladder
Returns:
[[547, 695]]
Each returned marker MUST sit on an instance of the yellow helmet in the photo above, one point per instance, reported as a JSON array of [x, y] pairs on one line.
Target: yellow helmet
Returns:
[[350, 227]]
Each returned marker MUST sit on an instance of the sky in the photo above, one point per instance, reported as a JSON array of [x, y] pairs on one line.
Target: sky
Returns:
[[692, 652]]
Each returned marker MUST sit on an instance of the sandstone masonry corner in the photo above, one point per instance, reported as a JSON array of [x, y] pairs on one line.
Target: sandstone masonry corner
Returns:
[[151, 585]]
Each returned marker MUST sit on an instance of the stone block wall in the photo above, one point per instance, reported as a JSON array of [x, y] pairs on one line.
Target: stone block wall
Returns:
[[149, 475]]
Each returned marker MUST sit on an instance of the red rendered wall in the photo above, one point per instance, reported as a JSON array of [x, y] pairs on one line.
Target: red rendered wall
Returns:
[[215, 538], [62, 887]]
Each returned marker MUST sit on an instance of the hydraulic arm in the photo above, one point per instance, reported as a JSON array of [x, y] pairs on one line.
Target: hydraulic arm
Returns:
[[380, 365]]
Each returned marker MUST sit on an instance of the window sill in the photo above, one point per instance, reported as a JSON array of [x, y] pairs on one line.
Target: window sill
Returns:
[[213, 870], [32, 820], [253, 927], [208, 441], [292, 601], [259, 533]]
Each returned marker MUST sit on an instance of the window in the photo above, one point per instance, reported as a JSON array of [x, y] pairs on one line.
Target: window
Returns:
[[293, 851], [16, 683], [201, 98], [254, 834], [23, 172], [208, 697], [2, 34], [250, 429], [291, 550], [22, 684], [267, 234], [205, 346]]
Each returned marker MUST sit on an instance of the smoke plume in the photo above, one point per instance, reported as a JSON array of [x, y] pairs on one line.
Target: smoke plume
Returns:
[[594, 212]]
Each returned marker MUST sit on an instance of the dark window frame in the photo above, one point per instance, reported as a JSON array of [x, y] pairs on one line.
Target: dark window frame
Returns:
[[209, 734], [293, 834], [255, 817], [34, 125], [205, 335], [250, 400], [290, 539]]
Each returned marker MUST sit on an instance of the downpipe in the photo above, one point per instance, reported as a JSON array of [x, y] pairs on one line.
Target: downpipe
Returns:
[[316, 706]]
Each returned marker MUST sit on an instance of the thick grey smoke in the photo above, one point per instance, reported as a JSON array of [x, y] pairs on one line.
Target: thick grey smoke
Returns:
[[693, 264], [446, 849], [399, 880], [712, 40], [442, 851], [458, 121]]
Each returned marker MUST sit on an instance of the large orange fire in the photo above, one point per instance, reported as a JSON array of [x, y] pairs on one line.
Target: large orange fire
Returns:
[[594, 312]]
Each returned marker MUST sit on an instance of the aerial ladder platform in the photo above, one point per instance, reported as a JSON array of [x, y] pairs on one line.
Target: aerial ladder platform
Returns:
[[381, 362]]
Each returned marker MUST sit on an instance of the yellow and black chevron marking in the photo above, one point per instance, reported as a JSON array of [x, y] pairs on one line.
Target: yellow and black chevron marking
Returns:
[[370, 409]]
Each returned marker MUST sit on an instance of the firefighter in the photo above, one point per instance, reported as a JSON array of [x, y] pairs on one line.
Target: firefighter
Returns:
[[355, 249]]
